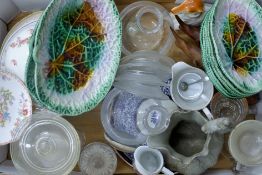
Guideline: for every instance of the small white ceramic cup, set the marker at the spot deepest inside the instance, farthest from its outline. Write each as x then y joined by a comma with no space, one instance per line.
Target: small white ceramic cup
148,161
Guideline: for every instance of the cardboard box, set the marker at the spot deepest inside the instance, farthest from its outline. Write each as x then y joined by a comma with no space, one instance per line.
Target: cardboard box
8,10
3,153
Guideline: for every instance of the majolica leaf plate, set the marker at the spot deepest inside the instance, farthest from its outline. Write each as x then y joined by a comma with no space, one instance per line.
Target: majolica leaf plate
15,108
76,52
238,37
212,62
230,46
207,54
30,68
15,51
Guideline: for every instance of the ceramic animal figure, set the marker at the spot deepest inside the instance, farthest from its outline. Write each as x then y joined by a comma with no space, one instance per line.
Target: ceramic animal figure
190,18
190,6
221,126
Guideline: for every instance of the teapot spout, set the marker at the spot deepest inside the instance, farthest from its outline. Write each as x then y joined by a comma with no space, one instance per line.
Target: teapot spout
221,126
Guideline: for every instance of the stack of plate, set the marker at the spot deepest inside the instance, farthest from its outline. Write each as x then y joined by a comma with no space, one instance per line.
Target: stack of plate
231,43
14,51
74,53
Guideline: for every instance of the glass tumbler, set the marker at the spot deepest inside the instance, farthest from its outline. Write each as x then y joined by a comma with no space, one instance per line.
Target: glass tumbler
236,109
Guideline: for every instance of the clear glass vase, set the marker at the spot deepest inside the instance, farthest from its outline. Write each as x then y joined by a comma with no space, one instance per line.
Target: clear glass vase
146,26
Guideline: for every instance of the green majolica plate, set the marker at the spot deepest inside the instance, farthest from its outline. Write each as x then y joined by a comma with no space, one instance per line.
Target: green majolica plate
211,66
237,40
76,54
207,53
224,81
216,29
233,91
30,67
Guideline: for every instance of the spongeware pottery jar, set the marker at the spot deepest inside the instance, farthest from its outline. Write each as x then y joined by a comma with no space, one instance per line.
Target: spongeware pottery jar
50,145
185,147
146,26
118,117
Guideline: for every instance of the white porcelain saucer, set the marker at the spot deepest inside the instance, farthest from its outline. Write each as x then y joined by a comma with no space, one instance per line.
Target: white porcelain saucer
153,116
15,108
15,49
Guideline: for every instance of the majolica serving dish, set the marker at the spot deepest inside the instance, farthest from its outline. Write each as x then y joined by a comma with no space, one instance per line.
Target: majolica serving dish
75,54
231,43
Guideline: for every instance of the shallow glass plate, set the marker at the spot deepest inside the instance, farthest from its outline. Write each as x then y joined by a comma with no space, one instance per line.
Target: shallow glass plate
49,145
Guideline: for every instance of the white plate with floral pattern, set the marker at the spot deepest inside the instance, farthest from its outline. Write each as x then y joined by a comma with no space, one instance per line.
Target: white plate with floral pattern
15,108
15,49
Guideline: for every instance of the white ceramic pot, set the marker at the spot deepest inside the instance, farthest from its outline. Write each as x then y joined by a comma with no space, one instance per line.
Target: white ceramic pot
148,161
185,147
199,91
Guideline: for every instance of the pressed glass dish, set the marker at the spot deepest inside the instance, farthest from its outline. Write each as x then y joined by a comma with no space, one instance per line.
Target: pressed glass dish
97,159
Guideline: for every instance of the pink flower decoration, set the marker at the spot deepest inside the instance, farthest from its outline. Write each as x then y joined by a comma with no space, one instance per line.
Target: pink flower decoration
14,62
1,117
13,45
25,112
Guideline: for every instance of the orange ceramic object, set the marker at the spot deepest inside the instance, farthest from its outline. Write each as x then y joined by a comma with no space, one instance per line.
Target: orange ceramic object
190,6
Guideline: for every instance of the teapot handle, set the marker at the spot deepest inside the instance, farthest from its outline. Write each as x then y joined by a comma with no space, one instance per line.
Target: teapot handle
167,171
208,113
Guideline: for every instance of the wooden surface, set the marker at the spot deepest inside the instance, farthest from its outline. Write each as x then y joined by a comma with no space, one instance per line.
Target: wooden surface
89,123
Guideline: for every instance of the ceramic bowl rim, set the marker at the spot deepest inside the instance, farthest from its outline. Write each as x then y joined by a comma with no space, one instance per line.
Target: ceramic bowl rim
230,142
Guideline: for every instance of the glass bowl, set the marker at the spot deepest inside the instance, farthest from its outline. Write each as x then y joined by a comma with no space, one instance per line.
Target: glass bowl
245,143
50,145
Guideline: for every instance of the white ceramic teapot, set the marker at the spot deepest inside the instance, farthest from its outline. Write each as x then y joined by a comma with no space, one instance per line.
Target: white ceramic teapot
198,92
